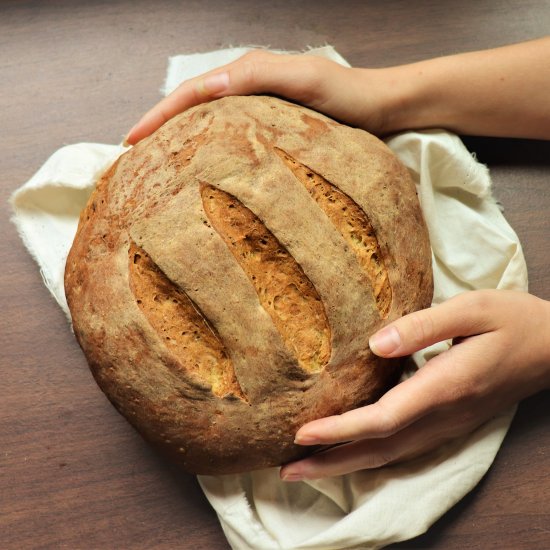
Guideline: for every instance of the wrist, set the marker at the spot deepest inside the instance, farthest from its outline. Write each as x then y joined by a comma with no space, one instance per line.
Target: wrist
477,93
404,97
421,101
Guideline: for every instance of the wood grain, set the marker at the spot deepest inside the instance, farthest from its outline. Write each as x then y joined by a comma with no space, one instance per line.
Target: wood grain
73,474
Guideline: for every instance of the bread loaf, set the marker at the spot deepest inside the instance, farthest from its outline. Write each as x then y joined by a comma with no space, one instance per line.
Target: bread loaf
228,271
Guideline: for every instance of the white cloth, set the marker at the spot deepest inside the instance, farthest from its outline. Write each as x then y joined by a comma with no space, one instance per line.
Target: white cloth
473,248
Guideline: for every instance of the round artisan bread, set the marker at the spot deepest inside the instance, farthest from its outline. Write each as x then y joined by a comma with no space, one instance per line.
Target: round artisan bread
228,271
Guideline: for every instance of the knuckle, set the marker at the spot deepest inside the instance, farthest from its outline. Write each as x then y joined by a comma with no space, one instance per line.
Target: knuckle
478,300
379,453
422,326
338,428
388,423
478,308
251,64
255,55
460,391
163,114
312,66
464,419
313,71
197,95
251,72
383,457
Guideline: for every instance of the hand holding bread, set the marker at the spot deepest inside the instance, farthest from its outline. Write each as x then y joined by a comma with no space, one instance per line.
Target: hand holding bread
501,338
315,82
500,355
478,93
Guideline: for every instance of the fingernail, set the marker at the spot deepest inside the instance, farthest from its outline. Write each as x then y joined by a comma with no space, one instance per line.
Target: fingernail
125,142
304,439
385,341
213,84
292,477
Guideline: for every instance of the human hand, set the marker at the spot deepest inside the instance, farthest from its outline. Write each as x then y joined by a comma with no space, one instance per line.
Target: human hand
360,97
500,355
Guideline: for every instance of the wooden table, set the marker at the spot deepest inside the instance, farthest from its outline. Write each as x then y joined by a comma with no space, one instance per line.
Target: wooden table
73,474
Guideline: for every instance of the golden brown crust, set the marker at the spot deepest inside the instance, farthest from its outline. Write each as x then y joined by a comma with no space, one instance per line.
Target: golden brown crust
223,300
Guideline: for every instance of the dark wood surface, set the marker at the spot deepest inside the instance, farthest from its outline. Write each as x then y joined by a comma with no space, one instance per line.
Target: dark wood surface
73,474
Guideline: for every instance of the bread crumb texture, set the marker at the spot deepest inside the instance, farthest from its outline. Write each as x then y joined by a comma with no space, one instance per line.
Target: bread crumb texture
283,289
177,320
352,222
228,271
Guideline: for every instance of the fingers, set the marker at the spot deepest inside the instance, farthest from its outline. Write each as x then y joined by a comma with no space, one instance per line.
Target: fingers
409,443
398,408
344,459
465,315
188,94
491,368
449,380
402,425
296,77
378,420
335,461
